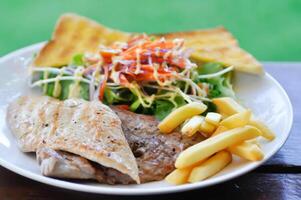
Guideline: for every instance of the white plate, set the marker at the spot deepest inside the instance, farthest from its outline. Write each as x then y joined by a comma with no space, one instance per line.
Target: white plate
263,95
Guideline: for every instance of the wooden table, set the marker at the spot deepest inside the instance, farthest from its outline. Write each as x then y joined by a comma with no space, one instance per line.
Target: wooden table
279,178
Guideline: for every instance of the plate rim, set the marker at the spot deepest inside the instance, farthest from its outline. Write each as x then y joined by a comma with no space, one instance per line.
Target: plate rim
142,191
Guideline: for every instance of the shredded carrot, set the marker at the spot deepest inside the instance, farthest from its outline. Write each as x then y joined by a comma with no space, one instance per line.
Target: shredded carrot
123,80
136,60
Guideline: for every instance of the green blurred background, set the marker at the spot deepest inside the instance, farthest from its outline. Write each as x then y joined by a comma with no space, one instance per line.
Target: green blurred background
269,29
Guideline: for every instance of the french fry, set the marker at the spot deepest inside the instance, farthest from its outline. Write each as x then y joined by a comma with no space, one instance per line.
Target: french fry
207,128
237,120
227,106
219,130
192,126
266,132
178,176
248,151
213,118
253,141
178,116
222,129
210,167
206,148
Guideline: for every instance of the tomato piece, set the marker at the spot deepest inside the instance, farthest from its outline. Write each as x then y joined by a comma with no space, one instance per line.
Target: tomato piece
104,83
123,107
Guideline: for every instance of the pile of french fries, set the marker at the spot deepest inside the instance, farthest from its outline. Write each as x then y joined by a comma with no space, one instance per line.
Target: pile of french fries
231,130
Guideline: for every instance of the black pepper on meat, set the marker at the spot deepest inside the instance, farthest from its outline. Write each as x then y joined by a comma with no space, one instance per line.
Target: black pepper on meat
155,152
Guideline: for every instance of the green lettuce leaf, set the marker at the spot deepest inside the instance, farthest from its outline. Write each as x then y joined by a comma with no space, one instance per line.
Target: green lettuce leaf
219,86
163,108
77,60
65,85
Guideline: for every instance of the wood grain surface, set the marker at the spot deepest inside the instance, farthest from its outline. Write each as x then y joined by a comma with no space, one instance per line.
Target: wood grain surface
279,178
263,186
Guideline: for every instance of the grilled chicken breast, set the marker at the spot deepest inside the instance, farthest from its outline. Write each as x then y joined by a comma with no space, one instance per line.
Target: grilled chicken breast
55,163
88,129
63,164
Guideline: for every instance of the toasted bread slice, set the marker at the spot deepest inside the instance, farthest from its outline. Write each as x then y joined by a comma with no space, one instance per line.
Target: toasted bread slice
75,34
217,45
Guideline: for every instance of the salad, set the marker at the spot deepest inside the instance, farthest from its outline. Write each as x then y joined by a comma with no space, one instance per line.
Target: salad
145,75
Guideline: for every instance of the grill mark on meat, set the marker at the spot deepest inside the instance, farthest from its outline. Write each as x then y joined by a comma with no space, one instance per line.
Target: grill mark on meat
94,123
55,120
51,118
30,109
41,113
42,119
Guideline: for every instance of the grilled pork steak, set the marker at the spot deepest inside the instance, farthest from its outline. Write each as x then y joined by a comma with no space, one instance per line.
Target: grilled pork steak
155,152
